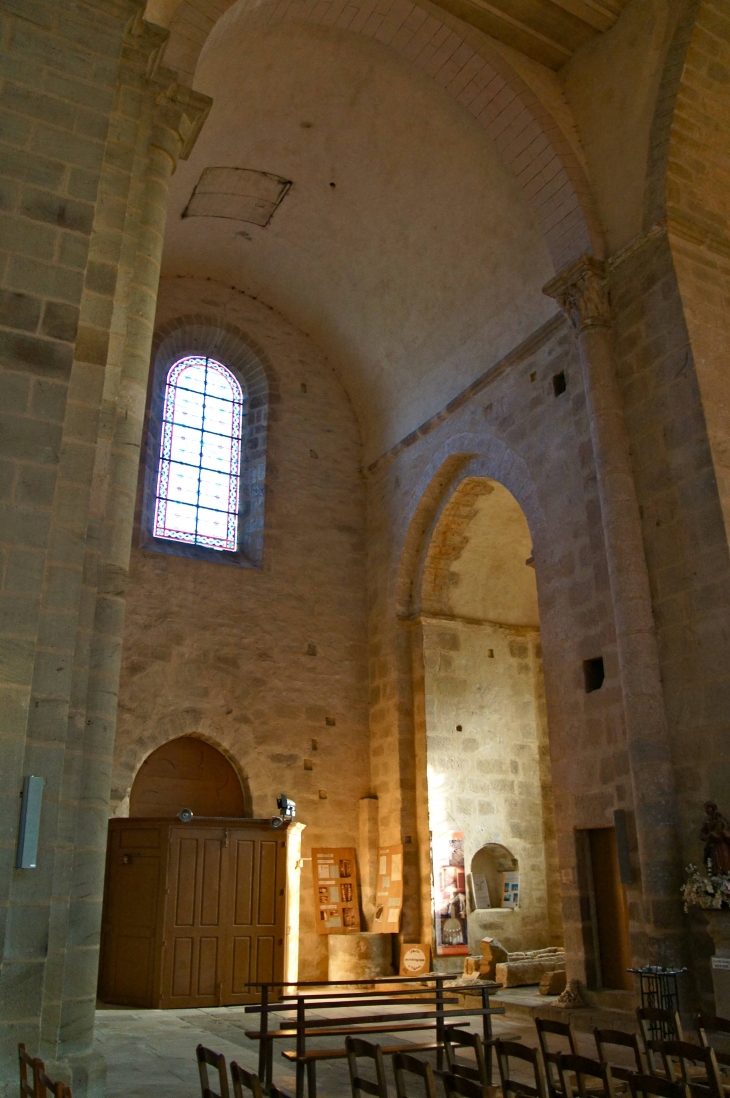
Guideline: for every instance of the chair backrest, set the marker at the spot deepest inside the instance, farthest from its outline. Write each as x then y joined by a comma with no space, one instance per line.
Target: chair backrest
28,1069
357,1049
403,1065
207,1058
642,1086
464,1038
274,1092
607,1037
659,1025
512,1050
574,1070
242,1078
546,1027
705,1023
456,1086
44,1084
677,1055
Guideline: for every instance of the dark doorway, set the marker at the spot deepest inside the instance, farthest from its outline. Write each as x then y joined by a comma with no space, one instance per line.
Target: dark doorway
611,910
187,773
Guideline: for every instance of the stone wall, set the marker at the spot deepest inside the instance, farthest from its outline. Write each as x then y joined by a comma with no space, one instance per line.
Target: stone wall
512,429
268,664
485,744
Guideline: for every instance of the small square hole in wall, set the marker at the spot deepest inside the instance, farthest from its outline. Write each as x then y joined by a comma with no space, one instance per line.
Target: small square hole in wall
330,722
559,383
593,674
533,375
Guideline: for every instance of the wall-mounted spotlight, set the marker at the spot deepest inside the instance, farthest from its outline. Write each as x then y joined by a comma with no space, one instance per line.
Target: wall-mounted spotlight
287,808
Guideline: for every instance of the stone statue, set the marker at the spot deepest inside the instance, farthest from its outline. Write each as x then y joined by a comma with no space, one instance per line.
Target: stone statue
715,834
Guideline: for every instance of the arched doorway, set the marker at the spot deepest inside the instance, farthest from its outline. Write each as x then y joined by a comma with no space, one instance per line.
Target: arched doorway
487,758
187,773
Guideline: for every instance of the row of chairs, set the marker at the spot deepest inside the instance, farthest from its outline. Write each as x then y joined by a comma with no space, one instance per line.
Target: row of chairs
34,1082
667,1068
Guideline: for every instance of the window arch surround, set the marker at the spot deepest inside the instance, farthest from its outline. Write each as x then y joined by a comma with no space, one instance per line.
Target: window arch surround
249,369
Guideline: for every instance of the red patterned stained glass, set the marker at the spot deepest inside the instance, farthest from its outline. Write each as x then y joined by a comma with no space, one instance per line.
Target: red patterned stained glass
200,455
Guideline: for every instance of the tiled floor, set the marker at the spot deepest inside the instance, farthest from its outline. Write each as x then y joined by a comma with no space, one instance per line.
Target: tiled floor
151,1053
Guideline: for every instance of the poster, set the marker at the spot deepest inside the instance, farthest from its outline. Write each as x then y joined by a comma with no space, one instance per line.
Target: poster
336,904
415,959
480,889
511,889
389,890
450,895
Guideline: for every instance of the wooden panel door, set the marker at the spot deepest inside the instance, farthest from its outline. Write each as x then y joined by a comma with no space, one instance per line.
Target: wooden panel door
612,916
196,917
257,878
133,904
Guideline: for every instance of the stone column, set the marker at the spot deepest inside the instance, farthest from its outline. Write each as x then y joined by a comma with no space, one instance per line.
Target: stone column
174,115
582,293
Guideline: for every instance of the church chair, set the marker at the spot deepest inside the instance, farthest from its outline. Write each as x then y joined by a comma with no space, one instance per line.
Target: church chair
512,1050
464,1038
694,1066
656,1024
358,1049
46,1086
586,1078
604,1038
403,1065
544,1027
654,1086
207,1058
245,1079
716,1027
457,1086
26,1064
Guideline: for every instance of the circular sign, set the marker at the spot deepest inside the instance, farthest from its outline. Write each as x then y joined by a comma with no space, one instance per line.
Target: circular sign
414,959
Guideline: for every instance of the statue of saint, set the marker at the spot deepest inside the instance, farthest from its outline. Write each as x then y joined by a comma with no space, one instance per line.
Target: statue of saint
715,834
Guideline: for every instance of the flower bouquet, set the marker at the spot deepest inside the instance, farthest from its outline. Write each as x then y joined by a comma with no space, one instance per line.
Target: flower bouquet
706,890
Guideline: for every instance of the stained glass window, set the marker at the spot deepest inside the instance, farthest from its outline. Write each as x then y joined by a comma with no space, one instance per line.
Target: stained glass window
200,455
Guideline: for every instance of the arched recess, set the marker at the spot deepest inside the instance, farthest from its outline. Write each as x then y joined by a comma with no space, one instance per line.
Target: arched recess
478,77
187,772
437,538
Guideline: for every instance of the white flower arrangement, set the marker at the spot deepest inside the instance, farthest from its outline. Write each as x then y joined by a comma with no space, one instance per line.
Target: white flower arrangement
706,890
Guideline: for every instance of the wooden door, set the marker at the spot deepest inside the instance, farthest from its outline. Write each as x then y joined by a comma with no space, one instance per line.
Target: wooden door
225,914
257,874
195,918
133,903
612,917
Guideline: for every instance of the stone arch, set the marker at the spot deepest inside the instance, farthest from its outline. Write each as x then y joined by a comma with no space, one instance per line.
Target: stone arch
458,460
479,78
462,458
139,752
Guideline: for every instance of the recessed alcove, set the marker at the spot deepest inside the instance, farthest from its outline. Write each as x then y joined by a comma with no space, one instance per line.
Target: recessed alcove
490,862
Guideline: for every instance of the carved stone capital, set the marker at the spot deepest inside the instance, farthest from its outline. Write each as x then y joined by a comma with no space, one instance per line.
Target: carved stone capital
179,116
581,291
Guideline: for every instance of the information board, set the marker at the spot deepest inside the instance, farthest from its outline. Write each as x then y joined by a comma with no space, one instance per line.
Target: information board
389,890
336,906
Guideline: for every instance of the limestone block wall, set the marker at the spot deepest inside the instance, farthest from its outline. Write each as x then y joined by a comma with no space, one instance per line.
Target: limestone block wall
684,535
486,743
515,430
267,664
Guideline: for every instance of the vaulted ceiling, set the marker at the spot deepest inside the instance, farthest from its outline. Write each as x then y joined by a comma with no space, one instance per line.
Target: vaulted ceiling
548,31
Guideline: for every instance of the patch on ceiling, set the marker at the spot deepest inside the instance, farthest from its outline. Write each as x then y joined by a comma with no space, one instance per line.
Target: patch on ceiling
237,193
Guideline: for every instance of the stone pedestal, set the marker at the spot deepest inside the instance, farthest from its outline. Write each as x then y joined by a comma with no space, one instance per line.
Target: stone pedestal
719,927
359,956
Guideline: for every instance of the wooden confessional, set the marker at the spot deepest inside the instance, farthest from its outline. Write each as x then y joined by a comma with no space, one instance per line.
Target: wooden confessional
192,912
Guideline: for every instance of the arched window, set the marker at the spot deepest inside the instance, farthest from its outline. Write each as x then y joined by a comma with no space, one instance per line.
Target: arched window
204,462
200,455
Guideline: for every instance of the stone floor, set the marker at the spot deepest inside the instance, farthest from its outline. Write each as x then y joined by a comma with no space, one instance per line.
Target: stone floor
151,1053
